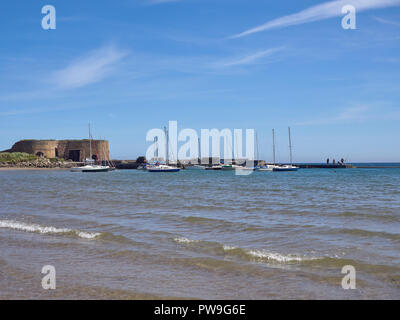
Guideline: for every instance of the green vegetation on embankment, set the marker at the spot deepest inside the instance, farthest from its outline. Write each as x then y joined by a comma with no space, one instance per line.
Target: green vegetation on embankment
16,157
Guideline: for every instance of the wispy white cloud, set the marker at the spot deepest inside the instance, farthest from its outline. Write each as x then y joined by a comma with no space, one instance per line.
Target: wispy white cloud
250,58
91,68
319,12
386,21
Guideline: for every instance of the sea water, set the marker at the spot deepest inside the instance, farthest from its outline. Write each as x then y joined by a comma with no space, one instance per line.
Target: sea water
200,234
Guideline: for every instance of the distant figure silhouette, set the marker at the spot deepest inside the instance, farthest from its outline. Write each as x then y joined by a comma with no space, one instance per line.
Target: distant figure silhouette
327,161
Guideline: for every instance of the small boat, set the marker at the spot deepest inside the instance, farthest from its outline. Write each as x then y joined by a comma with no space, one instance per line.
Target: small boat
162,168
158,167
90,165
246,168
217,167
230,167
268,167
276,167
285,168
91,168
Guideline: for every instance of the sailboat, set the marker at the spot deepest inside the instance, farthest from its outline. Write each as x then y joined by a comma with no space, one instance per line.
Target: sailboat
197,166
107,159
164,167
287,167
249,168
270,167
90,165
215,167
230,166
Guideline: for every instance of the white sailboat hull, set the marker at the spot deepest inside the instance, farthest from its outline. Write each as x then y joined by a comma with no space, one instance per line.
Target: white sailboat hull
91,168
266,169
240,168
163,168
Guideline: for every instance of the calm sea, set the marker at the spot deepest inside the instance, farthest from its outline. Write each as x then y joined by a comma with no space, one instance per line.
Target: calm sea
200,234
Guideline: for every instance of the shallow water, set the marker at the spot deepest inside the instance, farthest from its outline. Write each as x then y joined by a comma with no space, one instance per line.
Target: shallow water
200,234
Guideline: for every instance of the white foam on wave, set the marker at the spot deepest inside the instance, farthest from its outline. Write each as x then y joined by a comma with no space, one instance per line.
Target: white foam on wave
87,235
229,248
253,253
262,254
21,226
184,240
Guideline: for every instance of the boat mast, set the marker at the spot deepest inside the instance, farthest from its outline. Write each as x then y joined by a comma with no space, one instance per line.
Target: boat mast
290,147
233,152
156,147
236,148
258,155
90,144
273,143
198,145
166,146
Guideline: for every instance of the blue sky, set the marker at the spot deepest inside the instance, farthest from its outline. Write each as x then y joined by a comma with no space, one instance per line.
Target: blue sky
133,65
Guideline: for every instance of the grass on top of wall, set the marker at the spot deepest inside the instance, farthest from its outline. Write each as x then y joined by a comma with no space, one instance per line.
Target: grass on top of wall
15,157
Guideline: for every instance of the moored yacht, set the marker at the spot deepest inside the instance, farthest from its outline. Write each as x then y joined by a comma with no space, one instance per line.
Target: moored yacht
91,168
246,168
268,167
287,167
90,165
162,168
229,166
216,167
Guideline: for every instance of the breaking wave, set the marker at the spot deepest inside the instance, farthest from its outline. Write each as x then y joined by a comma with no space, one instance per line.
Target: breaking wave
278,257
244,254
22,226
184,240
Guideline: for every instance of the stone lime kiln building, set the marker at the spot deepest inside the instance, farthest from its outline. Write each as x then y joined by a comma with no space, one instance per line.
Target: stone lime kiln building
75,150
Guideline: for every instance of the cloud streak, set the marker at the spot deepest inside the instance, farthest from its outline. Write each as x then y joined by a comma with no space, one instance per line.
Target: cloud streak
249,59
386,21
91,68
319,12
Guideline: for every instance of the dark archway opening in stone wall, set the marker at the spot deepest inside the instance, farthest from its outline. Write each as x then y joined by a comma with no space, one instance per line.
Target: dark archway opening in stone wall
56,153
40,154
74,155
